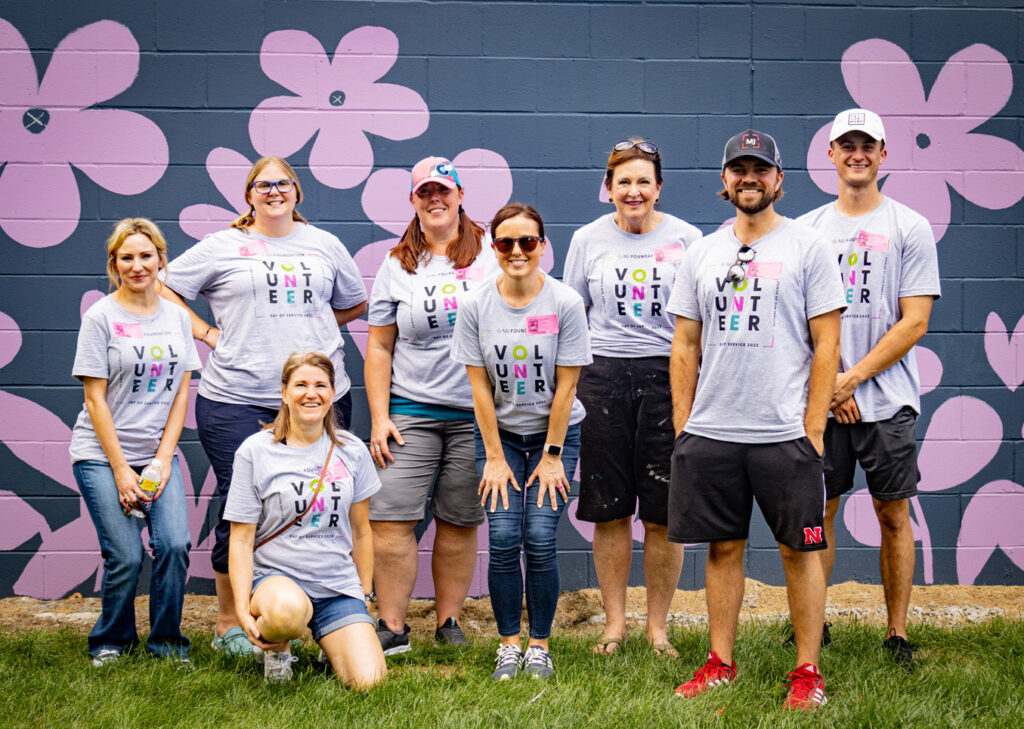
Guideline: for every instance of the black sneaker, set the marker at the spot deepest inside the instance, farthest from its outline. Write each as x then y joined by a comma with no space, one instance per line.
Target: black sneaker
826,636
450,634
901,652
393,643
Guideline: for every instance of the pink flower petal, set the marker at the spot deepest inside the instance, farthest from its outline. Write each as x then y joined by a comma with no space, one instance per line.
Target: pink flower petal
21,521
294,59
92,64
364,55
127,153
1005,351
385,201
602,194
199,221
993,171
991,521
860,520
37,437
65,558
281,125
10,339
18,79
228,170
397,112
486,178
820,168
976,82
88,299
39,204
929,368
341,156
925,192
880,76
963,436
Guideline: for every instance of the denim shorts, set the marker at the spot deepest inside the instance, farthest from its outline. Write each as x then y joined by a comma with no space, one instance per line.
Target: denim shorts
330,613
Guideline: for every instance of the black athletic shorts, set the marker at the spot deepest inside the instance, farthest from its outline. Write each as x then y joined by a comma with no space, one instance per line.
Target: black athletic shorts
886,450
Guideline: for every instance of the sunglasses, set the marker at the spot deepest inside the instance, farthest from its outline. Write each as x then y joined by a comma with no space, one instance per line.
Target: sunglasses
263,187
625,144
527,244
737,272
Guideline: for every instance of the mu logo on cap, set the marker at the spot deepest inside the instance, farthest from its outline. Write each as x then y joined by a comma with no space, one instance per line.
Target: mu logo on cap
855,119
750,141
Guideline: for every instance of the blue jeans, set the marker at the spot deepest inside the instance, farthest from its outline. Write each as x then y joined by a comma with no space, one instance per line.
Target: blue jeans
121,547
525,528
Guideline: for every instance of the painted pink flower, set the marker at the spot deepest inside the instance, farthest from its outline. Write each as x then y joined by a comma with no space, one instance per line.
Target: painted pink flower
485,177
228,170
1005,350
338,100
47,127
930,140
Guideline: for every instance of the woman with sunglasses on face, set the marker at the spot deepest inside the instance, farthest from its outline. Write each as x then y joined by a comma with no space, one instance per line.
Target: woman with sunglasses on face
623,265
135,357
274,284
523,338
301,546
421,435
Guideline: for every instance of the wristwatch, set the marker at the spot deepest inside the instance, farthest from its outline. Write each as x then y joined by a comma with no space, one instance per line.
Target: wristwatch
370,596
552,449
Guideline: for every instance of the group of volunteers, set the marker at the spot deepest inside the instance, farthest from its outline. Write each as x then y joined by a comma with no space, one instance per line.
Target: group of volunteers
688,376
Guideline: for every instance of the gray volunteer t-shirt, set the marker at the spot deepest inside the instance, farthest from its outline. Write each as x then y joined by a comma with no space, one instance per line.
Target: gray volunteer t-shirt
756,342
883,256
625,281
142,358
520,349
272,484
424,307
270,297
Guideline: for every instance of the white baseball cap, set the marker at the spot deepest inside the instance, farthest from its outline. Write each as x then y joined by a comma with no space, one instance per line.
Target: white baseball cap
857,120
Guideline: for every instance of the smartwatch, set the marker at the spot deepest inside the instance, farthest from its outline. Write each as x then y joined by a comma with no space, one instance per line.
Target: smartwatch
552,449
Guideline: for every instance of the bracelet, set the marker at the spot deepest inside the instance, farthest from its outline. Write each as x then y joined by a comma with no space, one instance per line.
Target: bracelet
203,338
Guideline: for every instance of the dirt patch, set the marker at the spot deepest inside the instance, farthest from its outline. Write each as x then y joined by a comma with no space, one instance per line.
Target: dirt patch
580,612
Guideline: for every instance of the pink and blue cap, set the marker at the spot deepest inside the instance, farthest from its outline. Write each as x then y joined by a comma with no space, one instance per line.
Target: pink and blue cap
434,169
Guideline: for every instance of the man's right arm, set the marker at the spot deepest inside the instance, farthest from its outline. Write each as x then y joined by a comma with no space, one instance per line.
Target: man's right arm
683,365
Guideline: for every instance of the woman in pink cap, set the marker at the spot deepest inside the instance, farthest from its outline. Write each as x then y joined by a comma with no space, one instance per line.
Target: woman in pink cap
421,406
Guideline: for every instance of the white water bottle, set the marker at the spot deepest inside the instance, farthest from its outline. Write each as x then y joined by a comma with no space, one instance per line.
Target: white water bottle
149,482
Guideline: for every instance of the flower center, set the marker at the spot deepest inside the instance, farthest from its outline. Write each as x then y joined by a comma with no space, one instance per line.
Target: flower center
35,119
337,98
923,141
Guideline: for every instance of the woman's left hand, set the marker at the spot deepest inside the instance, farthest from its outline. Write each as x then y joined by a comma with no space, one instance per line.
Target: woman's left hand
550,473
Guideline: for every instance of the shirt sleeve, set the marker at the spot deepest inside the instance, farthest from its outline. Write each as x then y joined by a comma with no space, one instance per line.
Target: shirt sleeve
823,284
466,335
573,335
920,263
683,300
91,353
349,289
365,482
244,504
574,274
192,361
383,307
194,270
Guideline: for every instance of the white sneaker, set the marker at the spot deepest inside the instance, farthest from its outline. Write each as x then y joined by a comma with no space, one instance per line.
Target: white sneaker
508,662
537,663
105,656
277,666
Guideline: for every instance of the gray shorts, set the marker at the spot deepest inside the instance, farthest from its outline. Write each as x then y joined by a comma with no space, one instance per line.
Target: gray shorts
886,450
437,463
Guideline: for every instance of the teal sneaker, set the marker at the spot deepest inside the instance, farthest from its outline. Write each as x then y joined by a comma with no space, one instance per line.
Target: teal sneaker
234,642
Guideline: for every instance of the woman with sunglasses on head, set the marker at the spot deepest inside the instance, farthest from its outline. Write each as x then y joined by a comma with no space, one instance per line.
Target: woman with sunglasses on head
623,265
135,357
274,284
301,546
421,435
523,338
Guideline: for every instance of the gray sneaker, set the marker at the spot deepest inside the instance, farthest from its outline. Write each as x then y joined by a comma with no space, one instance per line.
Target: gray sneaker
537,663
510,658
277,666
392,643
105,657
450,634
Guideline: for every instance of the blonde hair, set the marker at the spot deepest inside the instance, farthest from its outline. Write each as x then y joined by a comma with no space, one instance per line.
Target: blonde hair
247,220
125,228
282,423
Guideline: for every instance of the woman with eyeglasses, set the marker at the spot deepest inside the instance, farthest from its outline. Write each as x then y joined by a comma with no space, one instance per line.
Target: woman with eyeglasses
623,265
274,284
523,338
421,435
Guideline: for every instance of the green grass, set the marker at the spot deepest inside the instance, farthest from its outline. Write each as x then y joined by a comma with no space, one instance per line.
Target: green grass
969,676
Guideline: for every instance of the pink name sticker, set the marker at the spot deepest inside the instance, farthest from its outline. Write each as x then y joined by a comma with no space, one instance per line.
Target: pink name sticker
670,253
874,241
128,330
335,472
764,269
256,248
470,273
547,324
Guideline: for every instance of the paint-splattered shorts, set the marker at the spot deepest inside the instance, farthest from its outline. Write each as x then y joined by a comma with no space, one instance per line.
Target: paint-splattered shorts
626,439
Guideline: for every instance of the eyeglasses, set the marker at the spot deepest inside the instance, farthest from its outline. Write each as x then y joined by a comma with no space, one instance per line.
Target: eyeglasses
737,272
263,187
527,244
643,146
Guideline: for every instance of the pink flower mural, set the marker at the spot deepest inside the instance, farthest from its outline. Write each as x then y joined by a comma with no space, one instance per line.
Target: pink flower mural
228,170
1005,351
46,127
485,177
930,139
339,100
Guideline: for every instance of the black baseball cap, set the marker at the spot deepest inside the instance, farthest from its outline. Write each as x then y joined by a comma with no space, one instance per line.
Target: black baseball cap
752,143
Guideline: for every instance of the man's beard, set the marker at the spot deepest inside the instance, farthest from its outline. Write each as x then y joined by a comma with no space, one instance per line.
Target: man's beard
755,207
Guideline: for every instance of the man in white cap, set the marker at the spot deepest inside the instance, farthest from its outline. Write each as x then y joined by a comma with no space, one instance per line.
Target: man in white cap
758,305
890,271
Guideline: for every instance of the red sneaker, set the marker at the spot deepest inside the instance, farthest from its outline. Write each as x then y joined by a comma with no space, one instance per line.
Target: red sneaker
711,674
806,689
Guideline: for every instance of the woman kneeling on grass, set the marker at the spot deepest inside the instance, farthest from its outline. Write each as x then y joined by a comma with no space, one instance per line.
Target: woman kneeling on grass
523,338
301,550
